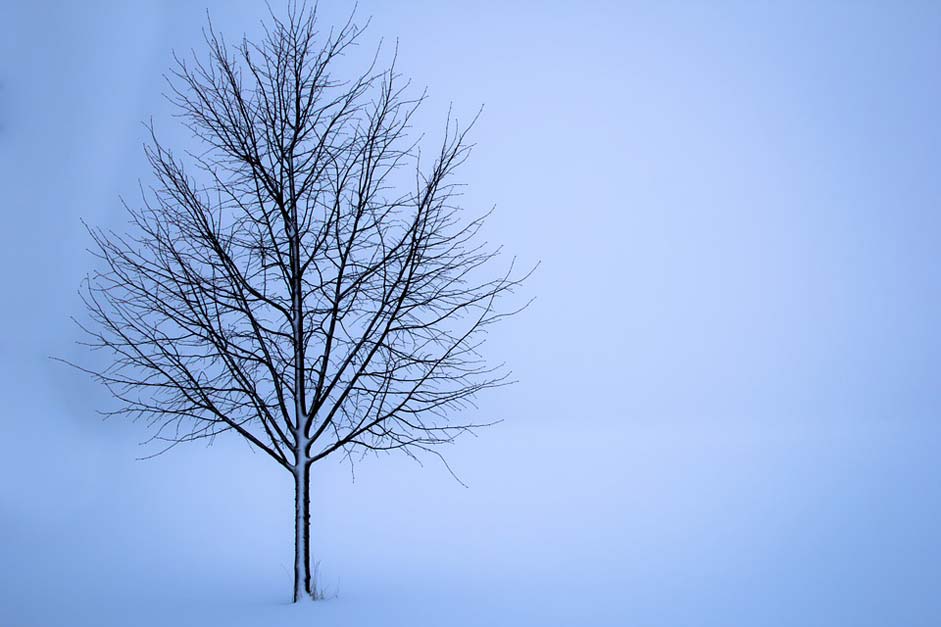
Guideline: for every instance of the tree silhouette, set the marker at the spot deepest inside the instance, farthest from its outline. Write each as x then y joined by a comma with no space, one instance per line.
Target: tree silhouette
306,281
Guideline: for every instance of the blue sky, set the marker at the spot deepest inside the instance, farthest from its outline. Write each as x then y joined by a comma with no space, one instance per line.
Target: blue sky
728,401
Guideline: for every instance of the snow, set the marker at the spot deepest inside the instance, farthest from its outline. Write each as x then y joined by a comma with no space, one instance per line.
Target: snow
670,526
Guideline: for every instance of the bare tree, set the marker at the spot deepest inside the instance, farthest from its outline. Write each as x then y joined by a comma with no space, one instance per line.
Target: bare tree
306,281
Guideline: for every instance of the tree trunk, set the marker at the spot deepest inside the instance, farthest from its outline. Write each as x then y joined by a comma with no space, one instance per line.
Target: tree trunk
301,532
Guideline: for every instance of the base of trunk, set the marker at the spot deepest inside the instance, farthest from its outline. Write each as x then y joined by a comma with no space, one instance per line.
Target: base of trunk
302,573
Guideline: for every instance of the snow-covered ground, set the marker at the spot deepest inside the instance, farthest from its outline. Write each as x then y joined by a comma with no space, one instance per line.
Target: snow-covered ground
657,524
